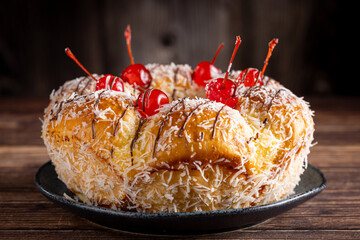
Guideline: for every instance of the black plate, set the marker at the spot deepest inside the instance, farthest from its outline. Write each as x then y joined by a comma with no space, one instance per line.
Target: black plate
312,182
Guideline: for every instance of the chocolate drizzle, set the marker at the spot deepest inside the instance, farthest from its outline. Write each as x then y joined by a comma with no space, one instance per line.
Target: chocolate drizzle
116,127
163,123
266,120
173,94
201,137
79,83
274,97
251,88
58,111
119,119
112,152
150,70
175,74
145,99
86,85
216,120
253,138
189,77
52,109
147,95
141,123
95,116
60,105
271,104
267,81
188,118
248,91
93,126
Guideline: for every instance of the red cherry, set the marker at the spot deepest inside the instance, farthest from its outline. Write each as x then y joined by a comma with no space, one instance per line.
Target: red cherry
248,77
219,91
135,74
150,101
106,82
205,70
110,82
222,89
251,76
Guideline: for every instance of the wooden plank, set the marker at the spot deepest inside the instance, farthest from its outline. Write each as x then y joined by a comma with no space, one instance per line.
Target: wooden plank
238,234
20,129
40,216
287,234
335,156
13,180
27,156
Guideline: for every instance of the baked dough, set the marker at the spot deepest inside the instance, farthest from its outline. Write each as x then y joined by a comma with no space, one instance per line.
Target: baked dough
194,155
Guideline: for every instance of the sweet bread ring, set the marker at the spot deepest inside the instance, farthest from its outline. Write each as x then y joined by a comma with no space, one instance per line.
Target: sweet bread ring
194,155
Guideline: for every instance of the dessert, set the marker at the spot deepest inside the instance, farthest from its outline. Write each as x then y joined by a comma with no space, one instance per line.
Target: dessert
154,140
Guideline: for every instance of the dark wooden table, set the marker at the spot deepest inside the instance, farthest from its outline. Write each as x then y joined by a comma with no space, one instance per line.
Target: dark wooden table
333,214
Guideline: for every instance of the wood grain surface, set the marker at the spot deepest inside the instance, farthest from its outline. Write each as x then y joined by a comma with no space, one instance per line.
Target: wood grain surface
333,214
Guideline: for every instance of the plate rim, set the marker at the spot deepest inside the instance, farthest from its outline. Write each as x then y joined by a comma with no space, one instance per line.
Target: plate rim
214,213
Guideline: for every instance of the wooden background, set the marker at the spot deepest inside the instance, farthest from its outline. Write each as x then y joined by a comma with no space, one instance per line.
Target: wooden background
314,55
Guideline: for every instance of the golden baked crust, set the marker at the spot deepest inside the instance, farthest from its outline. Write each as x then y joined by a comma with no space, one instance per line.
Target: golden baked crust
194,155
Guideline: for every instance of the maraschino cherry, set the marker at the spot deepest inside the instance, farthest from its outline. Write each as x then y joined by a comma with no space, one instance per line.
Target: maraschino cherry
252,76
206,70
108,82
149,102
136,74
223,89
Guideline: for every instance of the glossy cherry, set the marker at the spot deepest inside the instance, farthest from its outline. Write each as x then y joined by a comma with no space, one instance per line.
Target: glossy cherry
252,76
206,70
149,102
110,82
223,89
106,82
248,77
135,74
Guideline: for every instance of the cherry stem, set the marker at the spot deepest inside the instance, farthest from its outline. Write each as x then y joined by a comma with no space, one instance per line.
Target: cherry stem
272,45
72,56
127,34
217,52
237,44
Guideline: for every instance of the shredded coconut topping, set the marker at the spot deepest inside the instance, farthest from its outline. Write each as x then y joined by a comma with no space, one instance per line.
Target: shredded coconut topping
193,155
